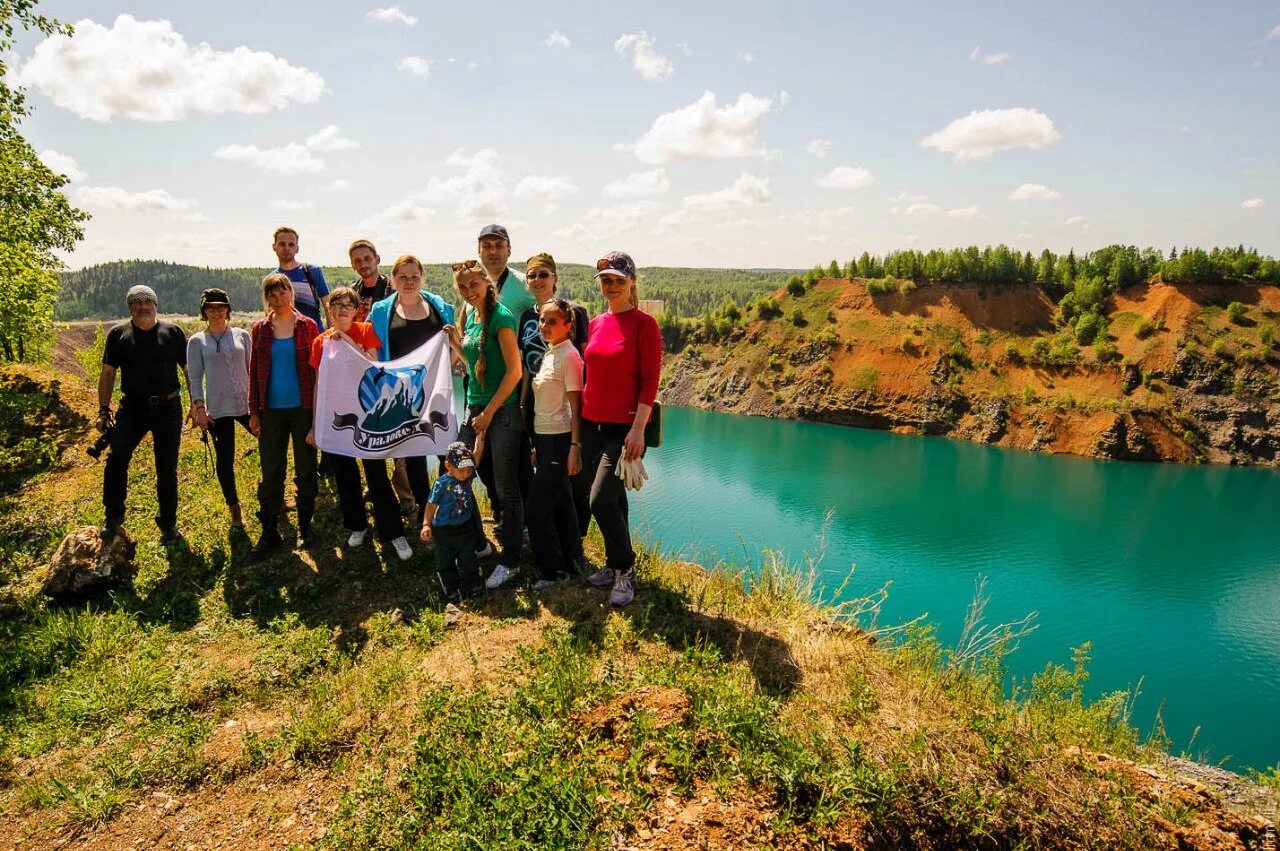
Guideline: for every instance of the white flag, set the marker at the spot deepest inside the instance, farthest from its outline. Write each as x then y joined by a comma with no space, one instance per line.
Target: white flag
385,410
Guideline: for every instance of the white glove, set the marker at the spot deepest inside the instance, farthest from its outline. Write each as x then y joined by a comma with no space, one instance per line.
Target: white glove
632,473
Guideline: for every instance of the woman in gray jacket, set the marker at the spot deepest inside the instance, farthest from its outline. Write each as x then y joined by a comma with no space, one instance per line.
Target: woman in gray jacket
218,363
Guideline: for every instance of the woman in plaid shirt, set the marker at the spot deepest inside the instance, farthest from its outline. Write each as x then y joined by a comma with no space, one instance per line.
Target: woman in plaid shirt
281,391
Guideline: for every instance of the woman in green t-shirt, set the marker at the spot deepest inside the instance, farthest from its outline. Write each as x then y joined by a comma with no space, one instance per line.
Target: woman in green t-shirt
487,341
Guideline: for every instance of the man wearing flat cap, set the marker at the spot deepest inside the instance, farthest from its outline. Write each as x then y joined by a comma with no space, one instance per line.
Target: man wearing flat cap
148,353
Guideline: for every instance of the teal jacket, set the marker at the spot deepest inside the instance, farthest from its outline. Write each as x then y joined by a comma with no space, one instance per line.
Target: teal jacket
380,318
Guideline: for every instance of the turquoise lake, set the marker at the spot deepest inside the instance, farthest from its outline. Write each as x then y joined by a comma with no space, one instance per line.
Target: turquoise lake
1172,572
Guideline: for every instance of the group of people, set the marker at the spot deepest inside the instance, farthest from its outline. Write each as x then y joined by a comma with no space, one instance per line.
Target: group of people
556,406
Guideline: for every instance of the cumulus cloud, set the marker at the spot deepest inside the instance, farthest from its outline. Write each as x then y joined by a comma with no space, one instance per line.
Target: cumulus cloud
61,163
922,208
116,198
976,55
415,66
620,219
984,132
146,71
1252,203
702,129
1075,220
820,148
846,177
546,189
284,159
340,185
392,15
478,192
1275,33
963,214
330,139
557,39
747,56
287,206
747,191
642,184
1034,192
648,62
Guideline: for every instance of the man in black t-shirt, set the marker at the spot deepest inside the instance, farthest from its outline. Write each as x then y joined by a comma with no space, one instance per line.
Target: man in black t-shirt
371,284
148,353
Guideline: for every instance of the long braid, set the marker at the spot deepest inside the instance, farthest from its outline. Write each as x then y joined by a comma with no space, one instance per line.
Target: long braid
486,313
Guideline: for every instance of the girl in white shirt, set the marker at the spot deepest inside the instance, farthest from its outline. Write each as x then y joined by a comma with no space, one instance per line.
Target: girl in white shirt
557,416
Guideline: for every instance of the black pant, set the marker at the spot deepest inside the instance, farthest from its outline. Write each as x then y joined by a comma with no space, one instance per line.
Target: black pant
549,511
601,451
279,427
415,467
456,558
386,507
223,434
133,421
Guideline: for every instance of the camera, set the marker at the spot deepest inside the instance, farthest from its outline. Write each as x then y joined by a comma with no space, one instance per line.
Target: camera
95,451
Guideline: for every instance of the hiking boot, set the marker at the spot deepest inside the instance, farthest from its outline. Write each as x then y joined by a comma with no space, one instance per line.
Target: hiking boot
269,541
237,519
501,574
624,588
403,550
357,537
601,578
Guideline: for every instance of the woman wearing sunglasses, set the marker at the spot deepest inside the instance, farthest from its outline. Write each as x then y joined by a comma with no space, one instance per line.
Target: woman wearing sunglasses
623,359
344,305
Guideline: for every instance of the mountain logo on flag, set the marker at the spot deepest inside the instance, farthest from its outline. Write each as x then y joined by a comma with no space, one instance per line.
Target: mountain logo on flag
392,400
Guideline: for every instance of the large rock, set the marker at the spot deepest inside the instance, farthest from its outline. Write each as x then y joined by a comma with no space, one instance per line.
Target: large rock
83,566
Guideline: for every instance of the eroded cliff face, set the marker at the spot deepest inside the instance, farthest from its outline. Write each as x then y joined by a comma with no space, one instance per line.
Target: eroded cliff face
931,364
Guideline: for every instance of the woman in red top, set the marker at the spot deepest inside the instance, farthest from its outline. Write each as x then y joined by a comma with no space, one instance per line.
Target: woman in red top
344,304
623,359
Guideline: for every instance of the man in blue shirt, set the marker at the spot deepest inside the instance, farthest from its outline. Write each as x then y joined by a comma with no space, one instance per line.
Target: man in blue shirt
310,293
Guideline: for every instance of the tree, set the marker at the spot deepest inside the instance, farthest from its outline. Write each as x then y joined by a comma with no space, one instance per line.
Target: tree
36,219
833,271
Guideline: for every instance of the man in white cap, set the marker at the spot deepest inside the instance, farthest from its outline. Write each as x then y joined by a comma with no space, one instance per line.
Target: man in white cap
148,353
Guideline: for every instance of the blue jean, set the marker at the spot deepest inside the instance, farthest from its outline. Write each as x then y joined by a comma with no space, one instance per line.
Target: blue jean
502,444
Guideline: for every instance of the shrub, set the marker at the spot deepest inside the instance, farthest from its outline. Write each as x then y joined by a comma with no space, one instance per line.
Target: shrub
1219,349
983,338
767,308
795,285
1089,327
1106,351
906,287
1029,396
1267,336
1012,353
797,318
879,286
1235,311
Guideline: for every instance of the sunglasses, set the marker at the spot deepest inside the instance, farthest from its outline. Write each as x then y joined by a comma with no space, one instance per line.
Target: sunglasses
538,276
343,305
617,265
465,264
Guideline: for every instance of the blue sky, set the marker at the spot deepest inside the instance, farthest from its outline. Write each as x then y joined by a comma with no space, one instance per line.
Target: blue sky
711,134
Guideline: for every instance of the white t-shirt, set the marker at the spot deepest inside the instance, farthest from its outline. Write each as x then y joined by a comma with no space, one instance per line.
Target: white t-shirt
561,373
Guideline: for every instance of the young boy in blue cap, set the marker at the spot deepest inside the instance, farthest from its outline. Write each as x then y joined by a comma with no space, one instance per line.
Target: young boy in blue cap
448,522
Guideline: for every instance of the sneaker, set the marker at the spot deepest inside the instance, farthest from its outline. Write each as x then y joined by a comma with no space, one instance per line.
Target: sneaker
544,584
402,548
485,551
268,542
357,537
500,575
601,578
452,614
624,588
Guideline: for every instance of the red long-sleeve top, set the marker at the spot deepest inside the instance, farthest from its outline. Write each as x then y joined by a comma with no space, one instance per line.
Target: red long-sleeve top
623,360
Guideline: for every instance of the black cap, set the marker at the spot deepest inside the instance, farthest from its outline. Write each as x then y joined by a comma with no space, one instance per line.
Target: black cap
494,230
213,297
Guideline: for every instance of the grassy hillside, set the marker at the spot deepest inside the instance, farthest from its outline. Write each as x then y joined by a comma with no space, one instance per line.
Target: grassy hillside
316,700
1177,371
97,292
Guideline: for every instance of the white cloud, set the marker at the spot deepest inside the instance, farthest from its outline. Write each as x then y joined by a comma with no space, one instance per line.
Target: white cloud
1275,32
747,191
846,177
61,163
905,197
684,48
288,206
115,198
1252,203
547,189
922,208
963,214
983,132
648,62
910,238
285,159
976,55
414,65
702,129
1078,221
330,139
820,148
478,193
340,185
642,184
1034,192
598,221
146,71
392,15
557,39
1023,236
747,56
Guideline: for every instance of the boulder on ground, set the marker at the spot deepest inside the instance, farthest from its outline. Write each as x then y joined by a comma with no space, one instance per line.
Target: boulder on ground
82,565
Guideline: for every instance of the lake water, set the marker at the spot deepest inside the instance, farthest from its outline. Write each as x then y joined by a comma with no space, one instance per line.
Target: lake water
1173,573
